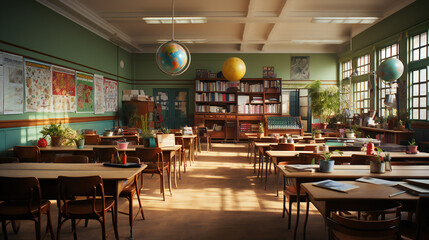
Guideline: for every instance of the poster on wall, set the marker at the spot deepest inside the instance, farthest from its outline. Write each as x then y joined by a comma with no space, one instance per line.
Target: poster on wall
38,87
111,95
98,94
300,68
63,89
84,92
13,83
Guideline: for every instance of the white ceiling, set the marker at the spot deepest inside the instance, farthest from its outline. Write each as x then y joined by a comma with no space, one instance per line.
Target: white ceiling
248,26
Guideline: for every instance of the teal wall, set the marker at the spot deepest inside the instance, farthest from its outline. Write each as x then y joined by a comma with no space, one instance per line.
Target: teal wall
30,25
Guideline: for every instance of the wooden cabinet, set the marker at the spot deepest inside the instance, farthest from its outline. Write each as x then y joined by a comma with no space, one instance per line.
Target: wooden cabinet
234,108
142,108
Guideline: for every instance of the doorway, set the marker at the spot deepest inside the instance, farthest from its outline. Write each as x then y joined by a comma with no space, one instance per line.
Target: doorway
174,106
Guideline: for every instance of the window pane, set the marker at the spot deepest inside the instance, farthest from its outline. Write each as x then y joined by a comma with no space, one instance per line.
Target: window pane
423,102
415,76
423,89
416,54
423,75
416,41
415,102
415,113
422,114
423,53
415,90
394,50
423,39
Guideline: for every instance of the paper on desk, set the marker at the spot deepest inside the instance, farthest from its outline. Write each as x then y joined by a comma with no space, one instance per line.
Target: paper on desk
377,181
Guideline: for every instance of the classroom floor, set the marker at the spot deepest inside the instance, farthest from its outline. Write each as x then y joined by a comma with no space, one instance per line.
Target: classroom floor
219,197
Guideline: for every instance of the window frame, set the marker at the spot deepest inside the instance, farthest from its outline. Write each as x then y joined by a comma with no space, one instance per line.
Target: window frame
384,88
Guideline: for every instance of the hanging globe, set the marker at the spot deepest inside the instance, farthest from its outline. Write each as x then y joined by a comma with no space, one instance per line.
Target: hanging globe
173,58
390,69
233,69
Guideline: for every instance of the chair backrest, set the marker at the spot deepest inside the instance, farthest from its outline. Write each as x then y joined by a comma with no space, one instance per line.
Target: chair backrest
27,153
9,159
108,142
25,190
202,132
179,140
133,159
132,139
307,158
105,154
284,147
310,147
346,228
178,134
421,216
92,139
72,159
358,159
150,155
269,140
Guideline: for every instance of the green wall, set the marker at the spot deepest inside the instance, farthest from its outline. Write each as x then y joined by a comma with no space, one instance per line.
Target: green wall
33,30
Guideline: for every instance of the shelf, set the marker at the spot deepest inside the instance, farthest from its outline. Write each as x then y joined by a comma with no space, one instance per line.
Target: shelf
214,103
245,93
272,102
214,92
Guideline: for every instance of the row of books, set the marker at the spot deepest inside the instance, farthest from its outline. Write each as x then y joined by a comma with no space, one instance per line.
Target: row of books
249,127
219,86
272,108
250,109
247,87
257,100
216,109
215,97
272,84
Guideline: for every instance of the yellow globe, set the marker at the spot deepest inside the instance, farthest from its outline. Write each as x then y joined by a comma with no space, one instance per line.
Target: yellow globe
233,69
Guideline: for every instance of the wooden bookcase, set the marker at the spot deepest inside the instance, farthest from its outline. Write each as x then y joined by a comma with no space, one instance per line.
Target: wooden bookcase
234,109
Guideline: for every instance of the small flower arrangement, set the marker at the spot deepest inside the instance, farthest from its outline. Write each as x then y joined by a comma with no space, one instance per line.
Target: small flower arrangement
261,127
165,130
412,142
327,155
379,156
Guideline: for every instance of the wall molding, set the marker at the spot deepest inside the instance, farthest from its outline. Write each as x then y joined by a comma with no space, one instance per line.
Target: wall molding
46,121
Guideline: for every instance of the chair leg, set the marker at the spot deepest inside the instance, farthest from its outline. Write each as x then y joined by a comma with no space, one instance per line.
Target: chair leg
16,225
59,224
289,214
3,225
130,214
169,181
161,176
49,225
103,228
115,224
74,229
140,203
37,225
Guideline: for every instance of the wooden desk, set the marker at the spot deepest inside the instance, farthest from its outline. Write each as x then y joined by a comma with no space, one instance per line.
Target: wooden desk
114,179
351,172
390,136
359,199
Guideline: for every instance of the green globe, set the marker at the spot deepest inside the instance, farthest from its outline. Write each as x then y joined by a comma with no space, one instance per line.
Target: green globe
390,69
173,58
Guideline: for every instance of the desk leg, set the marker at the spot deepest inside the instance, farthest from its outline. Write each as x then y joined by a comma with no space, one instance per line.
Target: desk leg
298,190
266,171
306,215
277,176
254,159
175,171
115,213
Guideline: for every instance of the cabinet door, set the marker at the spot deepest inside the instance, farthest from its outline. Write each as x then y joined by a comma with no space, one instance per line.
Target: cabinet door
174,105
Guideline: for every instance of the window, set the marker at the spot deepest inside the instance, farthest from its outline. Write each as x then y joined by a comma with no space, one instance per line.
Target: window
418,92
391,51
361,97
363,64
419,47
347,69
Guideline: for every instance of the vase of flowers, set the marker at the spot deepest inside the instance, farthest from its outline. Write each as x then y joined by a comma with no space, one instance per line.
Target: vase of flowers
377,165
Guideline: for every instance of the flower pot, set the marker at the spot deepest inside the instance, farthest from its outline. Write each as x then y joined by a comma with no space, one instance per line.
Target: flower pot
326,166
122,145
318,135
412,149
290,140
149,142
56,141
350,135
377,167
80,143
283,140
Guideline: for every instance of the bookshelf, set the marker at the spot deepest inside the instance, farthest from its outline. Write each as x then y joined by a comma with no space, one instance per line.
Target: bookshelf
235,108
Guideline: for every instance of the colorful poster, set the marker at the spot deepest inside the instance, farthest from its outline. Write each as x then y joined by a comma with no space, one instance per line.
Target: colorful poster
63,89
13,80
111,95
84,92
98,94
38,87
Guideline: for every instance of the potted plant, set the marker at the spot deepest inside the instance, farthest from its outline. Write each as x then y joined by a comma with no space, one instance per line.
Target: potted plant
327,164
165,130
325,102
79,140
261,130
123,144
350,133
59,134
377,165
317,133
401,125
147,136
412,147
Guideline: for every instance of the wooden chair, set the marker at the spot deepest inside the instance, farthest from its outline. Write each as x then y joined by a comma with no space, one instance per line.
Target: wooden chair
83,198
289,193
9,159
417,229
108,142
347,228
71,159
203,135
132,139
27,153
284,147
154,159
21,199
179,141
92,139
105,154
264,157
310,147
307,158
129,191
358,159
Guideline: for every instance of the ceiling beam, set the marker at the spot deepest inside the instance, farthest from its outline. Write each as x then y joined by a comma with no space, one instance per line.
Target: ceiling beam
250,13
276,25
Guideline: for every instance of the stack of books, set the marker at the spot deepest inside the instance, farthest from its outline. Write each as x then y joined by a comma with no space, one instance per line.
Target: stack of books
418,187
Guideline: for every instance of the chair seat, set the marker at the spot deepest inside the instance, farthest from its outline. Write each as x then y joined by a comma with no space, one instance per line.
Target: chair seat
129,190
84,207
155,166
17,210
291,190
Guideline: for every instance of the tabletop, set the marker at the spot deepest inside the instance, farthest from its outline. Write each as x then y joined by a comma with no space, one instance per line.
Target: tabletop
348,154
91,148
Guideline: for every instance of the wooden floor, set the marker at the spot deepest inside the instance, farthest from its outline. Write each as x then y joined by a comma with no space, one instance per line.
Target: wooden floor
218,197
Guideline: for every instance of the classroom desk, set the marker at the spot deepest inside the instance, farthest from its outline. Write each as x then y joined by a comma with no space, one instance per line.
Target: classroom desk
390,136
114,179
351,172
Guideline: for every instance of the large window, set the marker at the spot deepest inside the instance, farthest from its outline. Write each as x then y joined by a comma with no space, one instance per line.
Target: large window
418,92
347,69
391,51
419,46
361,97
363,64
